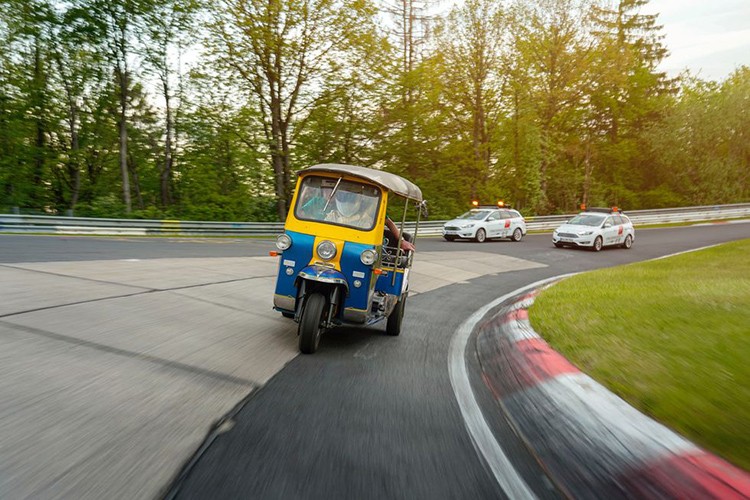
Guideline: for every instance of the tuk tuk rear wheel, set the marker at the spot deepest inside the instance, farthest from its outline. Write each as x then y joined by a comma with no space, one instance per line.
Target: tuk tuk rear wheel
309,325
393,327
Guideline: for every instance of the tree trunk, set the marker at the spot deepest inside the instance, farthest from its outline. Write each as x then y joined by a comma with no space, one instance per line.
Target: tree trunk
166,173
123,129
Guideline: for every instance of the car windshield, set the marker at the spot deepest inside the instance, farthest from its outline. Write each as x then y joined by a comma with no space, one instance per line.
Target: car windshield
474,215
347,203
586,220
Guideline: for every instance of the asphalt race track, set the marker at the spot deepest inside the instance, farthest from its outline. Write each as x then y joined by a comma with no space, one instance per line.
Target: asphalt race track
147,368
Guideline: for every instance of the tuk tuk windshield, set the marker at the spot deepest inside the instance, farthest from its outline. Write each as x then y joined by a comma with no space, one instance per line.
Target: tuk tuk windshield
346,203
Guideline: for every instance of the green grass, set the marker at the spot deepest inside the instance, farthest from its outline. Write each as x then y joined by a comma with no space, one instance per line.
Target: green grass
671,337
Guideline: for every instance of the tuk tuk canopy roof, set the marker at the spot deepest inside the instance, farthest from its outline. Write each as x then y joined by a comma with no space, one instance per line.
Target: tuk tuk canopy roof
387,180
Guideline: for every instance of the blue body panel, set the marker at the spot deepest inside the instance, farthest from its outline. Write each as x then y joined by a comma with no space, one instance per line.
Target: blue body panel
299,256
351,264
384,283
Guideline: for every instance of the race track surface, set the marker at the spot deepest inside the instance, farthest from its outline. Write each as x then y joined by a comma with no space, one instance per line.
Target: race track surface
143,368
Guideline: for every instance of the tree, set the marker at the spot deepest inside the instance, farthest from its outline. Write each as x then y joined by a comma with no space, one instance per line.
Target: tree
554,56
166,31
471,45
628,95
281,51
116,23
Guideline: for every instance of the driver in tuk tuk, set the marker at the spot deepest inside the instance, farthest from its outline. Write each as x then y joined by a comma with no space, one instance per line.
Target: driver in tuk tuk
350,208
353,209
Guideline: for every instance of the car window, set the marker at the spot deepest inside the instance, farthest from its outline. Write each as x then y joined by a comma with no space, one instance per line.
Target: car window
617,220
474,215
610,220
625,219
495,215
514,214
587,220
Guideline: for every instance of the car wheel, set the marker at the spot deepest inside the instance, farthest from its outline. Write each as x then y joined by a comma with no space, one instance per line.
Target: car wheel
449,238
481,236
597,244
628,242
517,235
559,245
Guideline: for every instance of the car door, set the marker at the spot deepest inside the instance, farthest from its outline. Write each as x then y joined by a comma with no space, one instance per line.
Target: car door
504,224
493,224
610,230
516,220
620,224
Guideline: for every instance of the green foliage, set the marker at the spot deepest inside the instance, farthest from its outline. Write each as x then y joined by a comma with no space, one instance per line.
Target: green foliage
544,104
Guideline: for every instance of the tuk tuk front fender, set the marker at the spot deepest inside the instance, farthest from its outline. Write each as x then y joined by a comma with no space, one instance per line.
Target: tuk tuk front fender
322,274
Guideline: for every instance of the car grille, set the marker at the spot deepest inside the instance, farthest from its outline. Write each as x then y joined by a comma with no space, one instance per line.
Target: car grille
451,228
567,235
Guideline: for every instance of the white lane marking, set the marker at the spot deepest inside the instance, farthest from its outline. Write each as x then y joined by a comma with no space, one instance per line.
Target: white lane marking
479,431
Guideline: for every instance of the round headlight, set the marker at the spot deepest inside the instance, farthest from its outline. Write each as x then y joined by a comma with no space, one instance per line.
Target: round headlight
283,241
326,250
368,257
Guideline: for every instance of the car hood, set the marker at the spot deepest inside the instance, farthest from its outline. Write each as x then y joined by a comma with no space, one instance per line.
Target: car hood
461,222
575,228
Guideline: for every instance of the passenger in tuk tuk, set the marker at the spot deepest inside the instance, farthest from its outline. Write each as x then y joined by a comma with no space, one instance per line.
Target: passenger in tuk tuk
406,245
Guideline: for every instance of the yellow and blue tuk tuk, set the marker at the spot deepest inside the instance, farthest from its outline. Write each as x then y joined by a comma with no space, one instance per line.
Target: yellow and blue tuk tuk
339,264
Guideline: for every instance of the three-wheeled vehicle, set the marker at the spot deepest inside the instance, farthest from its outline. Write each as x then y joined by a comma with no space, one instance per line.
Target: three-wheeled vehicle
339,264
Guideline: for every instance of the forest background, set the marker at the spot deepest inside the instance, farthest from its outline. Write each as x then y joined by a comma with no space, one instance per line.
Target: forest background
204,111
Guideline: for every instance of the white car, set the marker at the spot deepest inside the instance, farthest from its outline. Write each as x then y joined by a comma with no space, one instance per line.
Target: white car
481,224
596,229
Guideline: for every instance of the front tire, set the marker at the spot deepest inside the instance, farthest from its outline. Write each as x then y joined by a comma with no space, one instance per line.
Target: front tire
393,327
517,235
309,325
628,242
598,243
481,236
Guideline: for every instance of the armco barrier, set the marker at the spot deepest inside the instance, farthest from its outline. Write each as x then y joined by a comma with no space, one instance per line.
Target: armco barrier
40,224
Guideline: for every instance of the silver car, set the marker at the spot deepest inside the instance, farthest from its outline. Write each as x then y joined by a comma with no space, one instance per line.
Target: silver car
596,229
481,224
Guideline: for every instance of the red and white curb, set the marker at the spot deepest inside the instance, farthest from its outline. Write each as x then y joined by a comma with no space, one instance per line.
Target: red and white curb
591,442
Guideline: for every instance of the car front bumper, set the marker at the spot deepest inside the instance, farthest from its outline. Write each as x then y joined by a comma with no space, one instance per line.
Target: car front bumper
585,241
459,233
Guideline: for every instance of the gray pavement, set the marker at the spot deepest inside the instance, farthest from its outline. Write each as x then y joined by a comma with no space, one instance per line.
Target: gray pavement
112,372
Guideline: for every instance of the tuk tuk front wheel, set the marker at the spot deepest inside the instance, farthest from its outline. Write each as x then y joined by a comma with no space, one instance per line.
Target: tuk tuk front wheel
310,327
393,327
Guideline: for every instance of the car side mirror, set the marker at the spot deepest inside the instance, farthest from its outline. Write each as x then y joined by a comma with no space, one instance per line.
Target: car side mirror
607,224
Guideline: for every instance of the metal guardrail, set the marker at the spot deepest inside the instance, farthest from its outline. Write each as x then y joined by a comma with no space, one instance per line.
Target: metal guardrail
40,224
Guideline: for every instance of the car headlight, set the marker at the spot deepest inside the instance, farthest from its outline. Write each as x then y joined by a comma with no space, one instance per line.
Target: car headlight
368,257
326,250
467,226
585,233
283,241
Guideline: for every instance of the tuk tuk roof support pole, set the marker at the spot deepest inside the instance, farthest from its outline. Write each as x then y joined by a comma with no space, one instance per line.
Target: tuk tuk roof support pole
400,239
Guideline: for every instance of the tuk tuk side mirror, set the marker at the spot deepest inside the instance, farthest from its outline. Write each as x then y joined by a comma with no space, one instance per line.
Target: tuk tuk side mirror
422,205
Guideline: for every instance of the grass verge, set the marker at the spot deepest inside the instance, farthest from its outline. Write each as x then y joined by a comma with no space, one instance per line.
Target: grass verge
671,337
